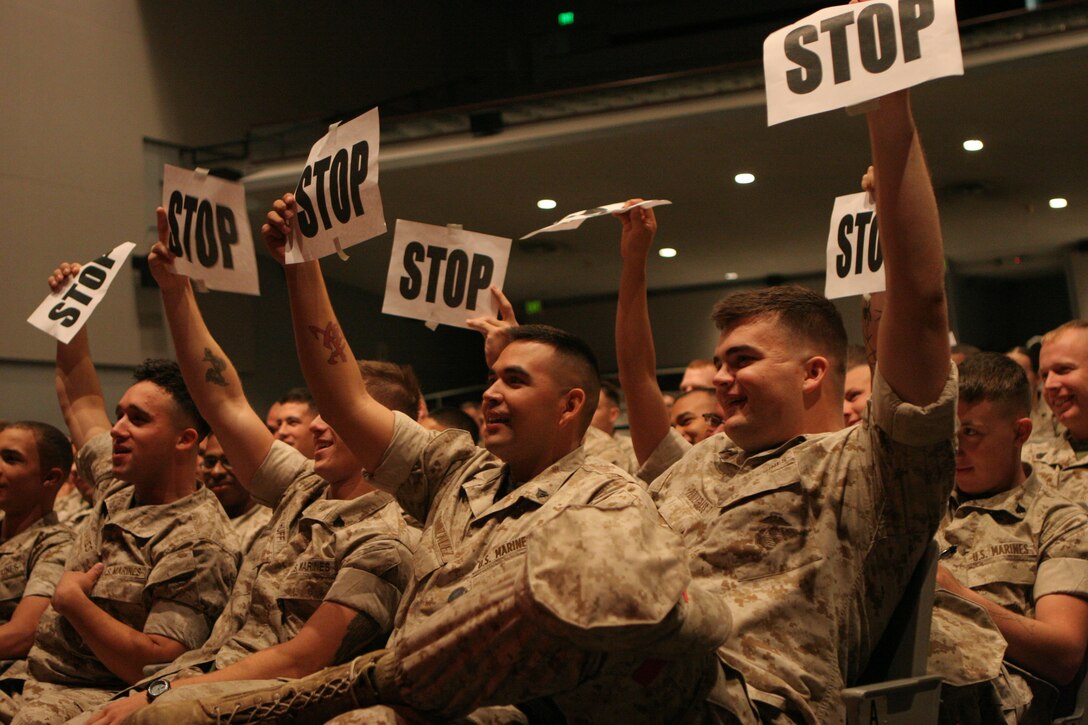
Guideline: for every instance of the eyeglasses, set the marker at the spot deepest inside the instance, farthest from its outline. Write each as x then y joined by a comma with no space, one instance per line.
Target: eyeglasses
713,419
208,462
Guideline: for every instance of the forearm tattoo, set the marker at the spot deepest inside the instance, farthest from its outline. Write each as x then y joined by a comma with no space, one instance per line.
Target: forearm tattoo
333,340
216,366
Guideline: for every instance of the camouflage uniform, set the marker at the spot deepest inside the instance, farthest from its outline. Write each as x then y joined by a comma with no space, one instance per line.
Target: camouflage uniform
567,593
810,544
603,446
354,552
1013,548
671,449
72,508
31,563
250,525
1045,427
168,571
1056,463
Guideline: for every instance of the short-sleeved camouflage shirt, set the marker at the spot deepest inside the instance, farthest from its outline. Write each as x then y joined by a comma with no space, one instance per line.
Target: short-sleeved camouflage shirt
168,571
31,562
811,544
1056,464
250,524
72,508
355,552
569,580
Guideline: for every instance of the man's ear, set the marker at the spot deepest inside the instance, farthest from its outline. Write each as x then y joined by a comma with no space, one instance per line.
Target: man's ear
574,402
614,414
816,369
188,438
54,478
1023,430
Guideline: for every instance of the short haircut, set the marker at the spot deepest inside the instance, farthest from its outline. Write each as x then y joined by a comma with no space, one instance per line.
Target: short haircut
700,362
299,395
855,356
613,392
1066,327
994,377
574,350
804,313
457,419
965,350
54,448
697,391
394,386
167,375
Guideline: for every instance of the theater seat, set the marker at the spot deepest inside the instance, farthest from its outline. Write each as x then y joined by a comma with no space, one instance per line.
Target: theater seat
895,689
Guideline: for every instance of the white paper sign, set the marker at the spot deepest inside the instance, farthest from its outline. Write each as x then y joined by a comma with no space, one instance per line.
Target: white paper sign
855,262
573,221
209,230
849,54
442,274
339,204
64,313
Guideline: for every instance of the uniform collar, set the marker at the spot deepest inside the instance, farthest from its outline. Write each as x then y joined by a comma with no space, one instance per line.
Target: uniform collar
733,457
50,519
481,490
1015,502
147,521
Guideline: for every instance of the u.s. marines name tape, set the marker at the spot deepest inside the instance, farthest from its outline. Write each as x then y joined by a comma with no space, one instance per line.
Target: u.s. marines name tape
65,312
849,54
855,264
442,274
339,203
209,230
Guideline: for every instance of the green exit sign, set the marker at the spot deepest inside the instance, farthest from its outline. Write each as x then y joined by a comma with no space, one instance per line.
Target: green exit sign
533,307
566,18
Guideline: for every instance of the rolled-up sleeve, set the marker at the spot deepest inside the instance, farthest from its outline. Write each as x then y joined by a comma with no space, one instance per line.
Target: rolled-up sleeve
189,588
915,425
280,468
47,563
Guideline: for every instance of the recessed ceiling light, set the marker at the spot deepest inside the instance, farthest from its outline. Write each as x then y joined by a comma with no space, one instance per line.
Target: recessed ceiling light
1058,203
731,275
972,144
666,252
744,178
546,204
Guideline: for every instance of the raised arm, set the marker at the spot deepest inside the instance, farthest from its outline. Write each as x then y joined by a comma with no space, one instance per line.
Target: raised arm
635,355
78,390
913,344
326,358
209,375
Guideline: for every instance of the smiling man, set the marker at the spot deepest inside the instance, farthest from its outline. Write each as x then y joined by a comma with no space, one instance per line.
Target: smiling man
809,531
247,516
1014,547
151,568
1062,462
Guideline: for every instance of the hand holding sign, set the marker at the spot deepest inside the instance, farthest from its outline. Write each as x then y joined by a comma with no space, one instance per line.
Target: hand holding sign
279,226
848,54
77,290
438,274
209,235
574,220
161,260
855,262
494,328
639,228
339,204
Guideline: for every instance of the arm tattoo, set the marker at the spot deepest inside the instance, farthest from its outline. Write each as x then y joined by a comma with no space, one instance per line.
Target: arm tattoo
216,366
358,639
333,340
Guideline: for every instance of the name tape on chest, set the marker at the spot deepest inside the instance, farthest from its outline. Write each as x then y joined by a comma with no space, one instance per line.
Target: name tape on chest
849,54
64,313
442,274
339,204
855,264
209,230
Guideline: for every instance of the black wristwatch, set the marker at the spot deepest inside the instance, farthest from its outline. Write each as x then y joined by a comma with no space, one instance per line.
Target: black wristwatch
157,688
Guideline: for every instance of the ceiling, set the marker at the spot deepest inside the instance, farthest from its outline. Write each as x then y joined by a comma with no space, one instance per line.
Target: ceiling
1028,105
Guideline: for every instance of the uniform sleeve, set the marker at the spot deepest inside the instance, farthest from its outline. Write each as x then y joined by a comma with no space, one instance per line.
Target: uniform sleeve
915,425
189,588
1063,553
94,462
47,563
280,468
417,463
372,573
670,450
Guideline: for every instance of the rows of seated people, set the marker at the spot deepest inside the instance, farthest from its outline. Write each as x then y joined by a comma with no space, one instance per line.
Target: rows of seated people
733,556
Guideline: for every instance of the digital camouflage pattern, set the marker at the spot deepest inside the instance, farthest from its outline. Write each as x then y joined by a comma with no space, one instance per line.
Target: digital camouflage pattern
811,544
250,525
1057,465
600,445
